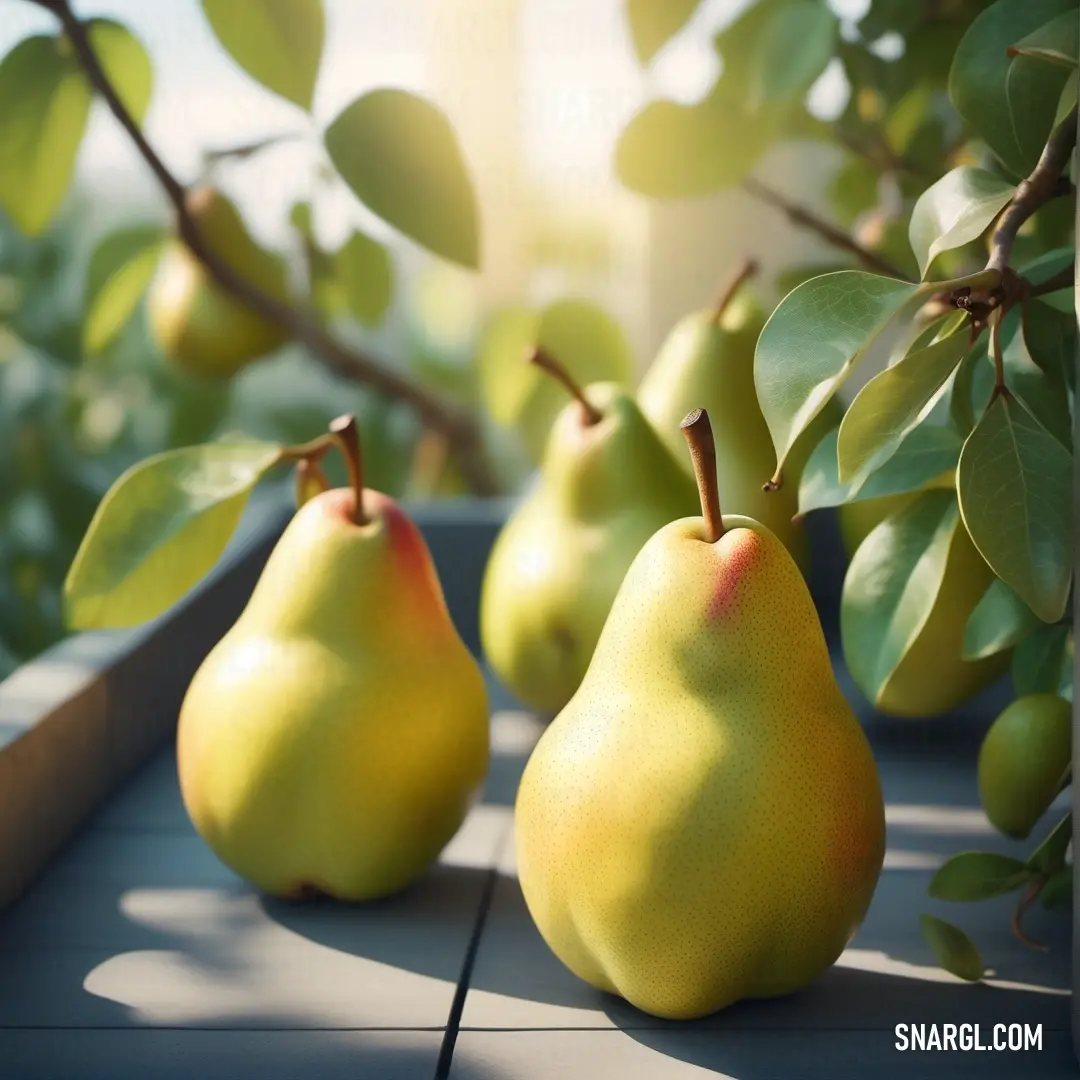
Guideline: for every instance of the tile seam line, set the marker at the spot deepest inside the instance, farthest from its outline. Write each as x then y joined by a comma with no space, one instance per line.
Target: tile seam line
457,1006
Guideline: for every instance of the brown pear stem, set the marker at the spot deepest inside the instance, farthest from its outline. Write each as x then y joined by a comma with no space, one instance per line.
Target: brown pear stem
748,269
697,430
546,362
347,437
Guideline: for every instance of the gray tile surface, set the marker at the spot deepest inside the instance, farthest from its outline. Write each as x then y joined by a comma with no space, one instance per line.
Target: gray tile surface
139,955
745,1055
219,1055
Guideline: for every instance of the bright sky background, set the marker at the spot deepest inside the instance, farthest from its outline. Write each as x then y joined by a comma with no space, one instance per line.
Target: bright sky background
580,83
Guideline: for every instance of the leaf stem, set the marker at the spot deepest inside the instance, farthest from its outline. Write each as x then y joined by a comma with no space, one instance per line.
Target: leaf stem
999,356
546,362
799,215
697,430
461,428
1040,187
307,470
748,269
1029,897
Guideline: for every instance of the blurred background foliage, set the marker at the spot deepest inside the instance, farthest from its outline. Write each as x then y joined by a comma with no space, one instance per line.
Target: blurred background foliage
854,131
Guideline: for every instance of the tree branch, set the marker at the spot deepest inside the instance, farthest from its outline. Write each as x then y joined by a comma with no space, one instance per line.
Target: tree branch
460,428
799,215
1039,188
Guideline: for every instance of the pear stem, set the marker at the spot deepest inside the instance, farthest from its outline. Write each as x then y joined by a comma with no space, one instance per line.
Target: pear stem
749,268
697,430
546,362
347,437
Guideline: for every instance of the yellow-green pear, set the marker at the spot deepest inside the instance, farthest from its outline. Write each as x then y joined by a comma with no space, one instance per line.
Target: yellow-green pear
1023,761
606,485
932,677
333,739
703,822
198,326
708,360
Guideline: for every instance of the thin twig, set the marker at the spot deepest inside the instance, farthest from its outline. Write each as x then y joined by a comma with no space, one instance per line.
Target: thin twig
880,155
1026,901
1039,188
799,215
460,428
743,273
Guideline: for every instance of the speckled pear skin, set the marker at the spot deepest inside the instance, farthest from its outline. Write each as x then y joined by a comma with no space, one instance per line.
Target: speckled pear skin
556,566
703,822
333,739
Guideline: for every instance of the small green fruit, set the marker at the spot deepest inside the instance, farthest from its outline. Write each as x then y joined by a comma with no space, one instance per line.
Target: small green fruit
198,326
1023,760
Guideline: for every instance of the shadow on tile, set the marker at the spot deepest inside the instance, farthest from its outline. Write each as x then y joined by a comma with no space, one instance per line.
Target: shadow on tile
226,1055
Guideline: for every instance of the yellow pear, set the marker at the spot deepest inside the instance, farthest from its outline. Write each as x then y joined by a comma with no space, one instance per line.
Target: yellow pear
333,739
703,822
1023,761
708,360
606,484
198,326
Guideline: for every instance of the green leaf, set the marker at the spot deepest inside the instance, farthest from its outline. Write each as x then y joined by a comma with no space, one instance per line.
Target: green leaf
999,621
366,275
1054,41
44,106
653,23
674,151
955,210
401,158
121,268
159,530
279,43
1049,856
795,45
1042,392
955,951
1015,485
1011,109
1063,300
893,402
977,875
926,453
580,335
891,587
1068,668
974,369
126,63
1068,99
812,342
1058,890
1040,661
1050,336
